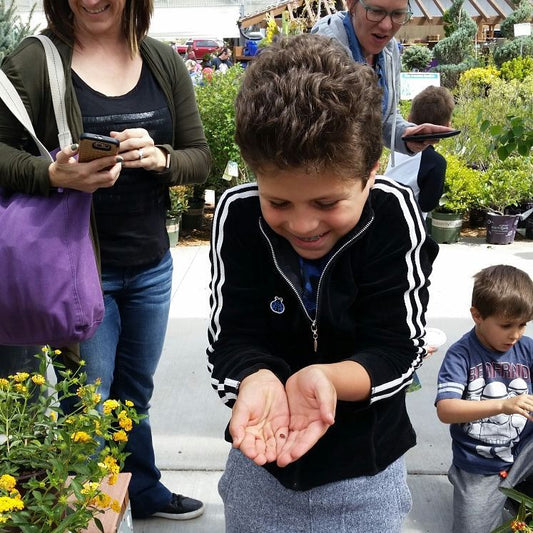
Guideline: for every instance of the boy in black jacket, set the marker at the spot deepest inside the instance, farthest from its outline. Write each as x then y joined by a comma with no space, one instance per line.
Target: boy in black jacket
319,289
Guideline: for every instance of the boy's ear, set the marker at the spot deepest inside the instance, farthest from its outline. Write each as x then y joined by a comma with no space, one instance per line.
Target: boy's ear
372,176
476,316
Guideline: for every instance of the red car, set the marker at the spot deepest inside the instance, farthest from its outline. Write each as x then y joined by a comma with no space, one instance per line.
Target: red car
200,47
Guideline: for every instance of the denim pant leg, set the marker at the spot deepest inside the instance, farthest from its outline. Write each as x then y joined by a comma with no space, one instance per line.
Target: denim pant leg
124,354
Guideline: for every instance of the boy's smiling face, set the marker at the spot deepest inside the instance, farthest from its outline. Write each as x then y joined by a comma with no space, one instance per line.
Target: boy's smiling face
312,211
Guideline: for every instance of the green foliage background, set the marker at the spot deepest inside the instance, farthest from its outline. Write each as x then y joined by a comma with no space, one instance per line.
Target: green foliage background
12,29
216,99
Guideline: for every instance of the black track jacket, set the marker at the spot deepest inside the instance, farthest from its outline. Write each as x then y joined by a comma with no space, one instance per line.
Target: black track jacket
371,302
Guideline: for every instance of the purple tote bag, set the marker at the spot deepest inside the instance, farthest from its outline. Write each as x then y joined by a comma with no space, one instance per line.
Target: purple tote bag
50,290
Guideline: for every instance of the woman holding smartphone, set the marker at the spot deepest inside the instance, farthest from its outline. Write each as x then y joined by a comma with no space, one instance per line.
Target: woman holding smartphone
122,84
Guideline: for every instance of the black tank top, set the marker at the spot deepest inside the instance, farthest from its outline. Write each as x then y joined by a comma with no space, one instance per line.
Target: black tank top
130,216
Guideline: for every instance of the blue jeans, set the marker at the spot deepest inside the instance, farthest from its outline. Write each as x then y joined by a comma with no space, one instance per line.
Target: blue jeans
124,354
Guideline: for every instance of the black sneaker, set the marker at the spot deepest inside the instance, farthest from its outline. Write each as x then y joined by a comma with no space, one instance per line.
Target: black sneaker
181,508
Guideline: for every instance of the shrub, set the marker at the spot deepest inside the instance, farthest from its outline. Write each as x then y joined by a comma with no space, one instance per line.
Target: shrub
462,187
507,183
476,82
518,68
216,99
521,14
475,145
416,58
519,47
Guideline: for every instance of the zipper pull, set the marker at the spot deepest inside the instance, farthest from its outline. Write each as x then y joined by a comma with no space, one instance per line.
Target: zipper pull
314,331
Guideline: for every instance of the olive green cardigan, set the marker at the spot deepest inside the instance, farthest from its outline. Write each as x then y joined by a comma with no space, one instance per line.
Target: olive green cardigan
20,167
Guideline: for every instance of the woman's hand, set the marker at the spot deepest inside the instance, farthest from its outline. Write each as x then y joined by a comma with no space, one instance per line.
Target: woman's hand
138,150
66,172
416,147
260,421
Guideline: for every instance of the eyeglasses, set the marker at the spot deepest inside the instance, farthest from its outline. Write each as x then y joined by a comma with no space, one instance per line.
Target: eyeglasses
377,14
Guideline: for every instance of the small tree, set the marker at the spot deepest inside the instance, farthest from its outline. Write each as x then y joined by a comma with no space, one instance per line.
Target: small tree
455,53
12,28
521,14
416,58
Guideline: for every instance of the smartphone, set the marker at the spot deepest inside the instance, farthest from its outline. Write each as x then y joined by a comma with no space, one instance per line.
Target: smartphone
431,136
93,146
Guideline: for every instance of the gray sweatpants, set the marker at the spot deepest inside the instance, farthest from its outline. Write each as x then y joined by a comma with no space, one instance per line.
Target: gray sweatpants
477,501
255,501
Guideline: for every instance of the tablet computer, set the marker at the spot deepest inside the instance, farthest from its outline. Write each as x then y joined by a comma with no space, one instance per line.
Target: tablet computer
431,136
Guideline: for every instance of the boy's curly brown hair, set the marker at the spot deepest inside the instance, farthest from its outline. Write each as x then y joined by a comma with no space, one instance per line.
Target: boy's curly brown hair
305,103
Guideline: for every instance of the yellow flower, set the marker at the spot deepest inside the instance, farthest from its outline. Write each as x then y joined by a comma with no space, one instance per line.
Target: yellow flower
102,500
53,416
19,377
81,436
110,465
10,504
38,379
7,482
19,387
57,352
97,397
115,506
4,383
124,421
120,436
129,403
110,405
90,487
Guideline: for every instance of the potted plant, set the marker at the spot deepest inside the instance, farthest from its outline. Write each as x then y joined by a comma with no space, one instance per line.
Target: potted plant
461,190
194,213
52,465
506,184
179,202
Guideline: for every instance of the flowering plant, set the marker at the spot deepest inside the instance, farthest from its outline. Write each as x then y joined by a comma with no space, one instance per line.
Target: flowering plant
51,463
523,521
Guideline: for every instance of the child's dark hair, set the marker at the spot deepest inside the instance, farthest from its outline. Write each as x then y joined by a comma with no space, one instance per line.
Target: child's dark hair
434,105
503,291
305,103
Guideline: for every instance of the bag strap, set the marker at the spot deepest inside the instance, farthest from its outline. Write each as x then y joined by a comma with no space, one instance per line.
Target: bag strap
12,99
57,88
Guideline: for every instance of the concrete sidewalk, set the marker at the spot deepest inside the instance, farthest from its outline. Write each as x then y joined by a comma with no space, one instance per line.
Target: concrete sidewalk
188,419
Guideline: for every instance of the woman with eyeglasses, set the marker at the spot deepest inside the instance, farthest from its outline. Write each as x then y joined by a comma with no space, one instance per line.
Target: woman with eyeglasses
367,32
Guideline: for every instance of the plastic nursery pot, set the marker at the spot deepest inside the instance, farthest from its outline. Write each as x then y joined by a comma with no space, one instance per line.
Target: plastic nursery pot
529,227
446,227
501,229
173,230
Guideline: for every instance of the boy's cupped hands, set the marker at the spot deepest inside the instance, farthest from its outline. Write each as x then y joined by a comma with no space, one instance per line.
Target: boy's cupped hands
272,422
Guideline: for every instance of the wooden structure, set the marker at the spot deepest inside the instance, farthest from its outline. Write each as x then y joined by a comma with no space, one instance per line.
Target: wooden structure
426,13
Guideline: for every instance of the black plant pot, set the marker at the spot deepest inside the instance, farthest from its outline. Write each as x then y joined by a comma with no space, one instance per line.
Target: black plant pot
501,229
477,217
15,359
193,217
